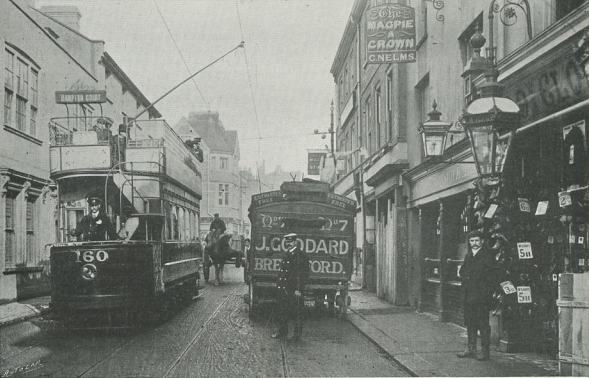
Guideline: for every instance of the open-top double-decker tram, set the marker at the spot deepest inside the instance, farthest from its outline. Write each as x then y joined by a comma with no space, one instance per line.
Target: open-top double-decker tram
324,223
149,183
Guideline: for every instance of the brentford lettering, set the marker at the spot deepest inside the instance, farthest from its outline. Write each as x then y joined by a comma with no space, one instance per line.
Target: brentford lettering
317,266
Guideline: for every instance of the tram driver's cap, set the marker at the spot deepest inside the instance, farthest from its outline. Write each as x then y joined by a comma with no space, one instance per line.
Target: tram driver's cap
93,201
290,236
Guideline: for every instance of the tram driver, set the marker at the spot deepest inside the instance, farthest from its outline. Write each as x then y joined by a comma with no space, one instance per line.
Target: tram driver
95,226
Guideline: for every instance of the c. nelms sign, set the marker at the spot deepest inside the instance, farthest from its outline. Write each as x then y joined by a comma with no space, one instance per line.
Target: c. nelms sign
390,33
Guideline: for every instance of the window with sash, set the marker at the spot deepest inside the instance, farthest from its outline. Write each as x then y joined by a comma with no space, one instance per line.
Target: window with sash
30,238
223,194
21,93
9,235
22,79
8,70
223,163
21,113
8,96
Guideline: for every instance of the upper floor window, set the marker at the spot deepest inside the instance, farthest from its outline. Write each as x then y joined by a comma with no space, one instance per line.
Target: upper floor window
21,93
34,88
223,194
423,98
22,79
8,70
466,50
223,163
377,115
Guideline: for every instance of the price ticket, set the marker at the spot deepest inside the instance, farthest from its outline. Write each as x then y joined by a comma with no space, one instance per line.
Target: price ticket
542,208
507,287
524,250
524,294
564,199
524,205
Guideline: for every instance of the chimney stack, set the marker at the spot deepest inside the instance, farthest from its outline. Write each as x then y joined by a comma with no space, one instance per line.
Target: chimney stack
66,14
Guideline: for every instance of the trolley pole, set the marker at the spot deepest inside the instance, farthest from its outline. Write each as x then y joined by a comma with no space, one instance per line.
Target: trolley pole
240,45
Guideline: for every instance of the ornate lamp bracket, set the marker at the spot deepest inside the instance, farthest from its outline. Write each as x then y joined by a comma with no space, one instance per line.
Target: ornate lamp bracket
506,9
438,6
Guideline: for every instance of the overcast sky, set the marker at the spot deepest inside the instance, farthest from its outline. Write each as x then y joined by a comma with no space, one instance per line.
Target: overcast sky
290,46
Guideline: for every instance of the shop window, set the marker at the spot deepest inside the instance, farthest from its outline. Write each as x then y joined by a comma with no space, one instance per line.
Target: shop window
9,235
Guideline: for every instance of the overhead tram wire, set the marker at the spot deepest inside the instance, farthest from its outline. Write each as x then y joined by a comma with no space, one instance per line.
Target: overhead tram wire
180,53
251,89
249,80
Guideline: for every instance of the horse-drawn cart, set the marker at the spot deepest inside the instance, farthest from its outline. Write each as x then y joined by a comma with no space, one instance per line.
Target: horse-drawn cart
220,249
324,223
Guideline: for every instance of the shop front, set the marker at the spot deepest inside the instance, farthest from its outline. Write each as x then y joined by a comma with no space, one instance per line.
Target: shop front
535,216
439,193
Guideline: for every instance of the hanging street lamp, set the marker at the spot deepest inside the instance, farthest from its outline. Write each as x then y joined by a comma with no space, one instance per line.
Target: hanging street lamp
490,121
434,133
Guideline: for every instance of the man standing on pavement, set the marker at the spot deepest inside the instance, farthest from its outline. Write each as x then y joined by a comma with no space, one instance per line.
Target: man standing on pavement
478,277
294,272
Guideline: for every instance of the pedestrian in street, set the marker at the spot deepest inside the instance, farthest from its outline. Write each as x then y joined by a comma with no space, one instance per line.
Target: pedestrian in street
294,272
478,279
95,226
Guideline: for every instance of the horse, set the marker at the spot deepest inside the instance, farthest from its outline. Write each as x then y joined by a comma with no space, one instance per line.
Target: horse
219,250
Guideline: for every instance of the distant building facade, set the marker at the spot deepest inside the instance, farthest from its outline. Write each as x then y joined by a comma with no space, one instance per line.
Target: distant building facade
221,181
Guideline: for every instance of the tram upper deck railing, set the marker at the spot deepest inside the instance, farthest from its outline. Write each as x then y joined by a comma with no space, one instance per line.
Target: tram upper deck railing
147,146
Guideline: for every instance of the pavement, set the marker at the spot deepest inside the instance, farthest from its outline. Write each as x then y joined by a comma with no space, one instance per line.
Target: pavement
15,312
424,346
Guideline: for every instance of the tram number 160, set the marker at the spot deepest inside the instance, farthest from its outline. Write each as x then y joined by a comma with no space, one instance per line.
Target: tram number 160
89,256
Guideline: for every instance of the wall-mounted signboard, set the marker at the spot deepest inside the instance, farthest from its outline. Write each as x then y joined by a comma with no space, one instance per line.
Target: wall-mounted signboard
390,33
80,97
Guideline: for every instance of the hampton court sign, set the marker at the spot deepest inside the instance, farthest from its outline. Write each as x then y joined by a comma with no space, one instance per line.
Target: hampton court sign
390,33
